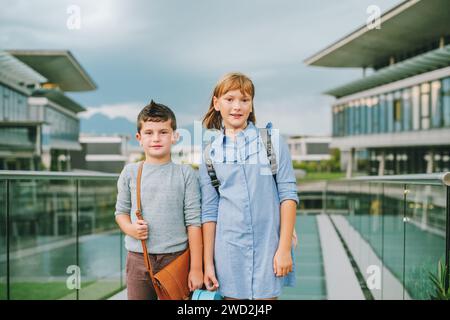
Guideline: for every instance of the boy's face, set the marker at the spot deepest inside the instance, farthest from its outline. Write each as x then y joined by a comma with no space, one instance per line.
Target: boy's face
157,138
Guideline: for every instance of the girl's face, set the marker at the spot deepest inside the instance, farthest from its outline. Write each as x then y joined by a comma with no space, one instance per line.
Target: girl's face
235,108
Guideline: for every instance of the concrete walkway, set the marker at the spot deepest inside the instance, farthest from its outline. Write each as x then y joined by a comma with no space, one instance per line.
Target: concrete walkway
122,295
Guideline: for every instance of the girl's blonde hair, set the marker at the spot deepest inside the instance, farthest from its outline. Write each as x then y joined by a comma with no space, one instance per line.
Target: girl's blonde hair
230,81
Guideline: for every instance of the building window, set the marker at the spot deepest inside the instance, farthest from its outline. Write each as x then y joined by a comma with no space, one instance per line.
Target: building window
436,104
375,115
415,99
382,114
2,113
390,112
6,104
398,114
356,118
406,104
425,105
446,101
368,104
341,121
363,115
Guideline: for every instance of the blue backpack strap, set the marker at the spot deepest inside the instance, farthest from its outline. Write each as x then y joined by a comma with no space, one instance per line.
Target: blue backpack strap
210,168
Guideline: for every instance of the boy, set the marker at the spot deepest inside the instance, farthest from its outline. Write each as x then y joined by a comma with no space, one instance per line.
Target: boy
170,200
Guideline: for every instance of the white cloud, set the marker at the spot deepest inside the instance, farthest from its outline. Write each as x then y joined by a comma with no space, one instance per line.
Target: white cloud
128,110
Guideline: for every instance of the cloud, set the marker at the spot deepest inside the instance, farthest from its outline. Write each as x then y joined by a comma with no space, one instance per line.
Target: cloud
128,110
175,51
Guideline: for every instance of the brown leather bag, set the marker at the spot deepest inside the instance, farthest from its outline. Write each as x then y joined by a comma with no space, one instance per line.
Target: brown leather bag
170,283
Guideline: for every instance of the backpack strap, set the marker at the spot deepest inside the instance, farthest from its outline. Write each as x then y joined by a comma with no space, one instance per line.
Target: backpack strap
209,166
267,140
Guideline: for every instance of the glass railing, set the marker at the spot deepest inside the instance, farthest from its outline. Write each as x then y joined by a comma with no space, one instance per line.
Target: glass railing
396,229
58,236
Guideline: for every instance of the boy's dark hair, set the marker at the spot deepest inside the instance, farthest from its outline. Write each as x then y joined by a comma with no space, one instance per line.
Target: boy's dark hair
156,112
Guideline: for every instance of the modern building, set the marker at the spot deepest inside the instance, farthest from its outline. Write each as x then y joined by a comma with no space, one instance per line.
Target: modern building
309,148
396,118
101,153
39,125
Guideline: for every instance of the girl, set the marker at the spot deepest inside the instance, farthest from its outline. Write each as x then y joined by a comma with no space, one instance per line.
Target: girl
249,221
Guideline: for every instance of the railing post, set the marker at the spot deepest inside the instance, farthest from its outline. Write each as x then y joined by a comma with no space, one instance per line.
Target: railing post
8,273
77,249
447,238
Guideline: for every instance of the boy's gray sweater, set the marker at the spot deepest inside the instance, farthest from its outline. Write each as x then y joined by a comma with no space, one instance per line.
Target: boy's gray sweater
170,201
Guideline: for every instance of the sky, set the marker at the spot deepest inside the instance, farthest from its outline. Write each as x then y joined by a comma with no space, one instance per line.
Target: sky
174,52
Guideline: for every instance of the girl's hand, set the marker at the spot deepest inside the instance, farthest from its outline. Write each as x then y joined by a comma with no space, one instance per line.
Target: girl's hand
195,279
139,230
282,262
210,279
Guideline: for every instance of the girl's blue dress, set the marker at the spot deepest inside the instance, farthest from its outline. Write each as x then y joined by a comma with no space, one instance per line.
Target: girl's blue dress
247,212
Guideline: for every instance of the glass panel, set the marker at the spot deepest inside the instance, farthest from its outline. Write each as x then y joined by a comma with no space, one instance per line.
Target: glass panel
393,242
398,111
390,112
425,238
425,105
3,248
369,111
375,115
99,240
383,115
363,116
446,101
407,118
42,238
415,107
436,108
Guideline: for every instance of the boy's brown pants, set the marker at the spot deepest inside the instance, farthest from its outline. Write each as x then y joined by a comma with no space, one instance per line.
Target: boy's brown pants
139,285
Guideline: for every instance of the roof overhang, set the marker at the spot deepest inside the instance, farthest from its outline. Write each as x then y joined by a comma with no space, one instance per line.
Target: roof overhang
59,98
59,67
432,60
13,71
405,28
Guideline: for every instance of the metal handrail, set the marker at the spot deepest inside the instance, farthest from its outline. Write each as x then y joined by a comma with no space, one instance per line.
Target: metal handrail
433,178
54,175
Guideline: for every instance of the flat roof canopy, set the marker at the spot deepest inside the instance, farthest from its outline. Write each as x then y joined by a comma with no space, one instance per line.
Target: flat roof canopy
425,62
58,66
405,28
17,71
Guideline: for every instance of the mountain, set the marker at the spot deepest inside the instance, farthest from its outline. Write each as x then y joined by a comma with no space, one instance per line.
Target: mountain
103,125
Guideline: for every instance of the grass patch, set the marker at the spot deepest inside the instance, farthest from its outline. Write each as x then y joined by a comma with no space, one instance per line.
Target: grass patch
316,176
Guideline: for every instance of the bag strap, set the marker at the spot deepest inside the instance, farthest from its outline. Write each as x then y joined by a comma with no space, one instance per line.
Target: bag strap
210,167
147,262
266,139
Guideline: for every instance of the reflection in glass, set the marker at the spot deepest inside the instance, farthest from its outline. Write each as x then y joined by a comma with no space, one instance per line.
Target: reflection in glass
425,238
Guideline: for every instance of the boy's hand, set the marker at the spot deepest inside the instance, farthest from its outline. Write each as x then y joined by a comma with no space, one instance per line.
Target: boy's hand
282,262
139,230
210,279
195,279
